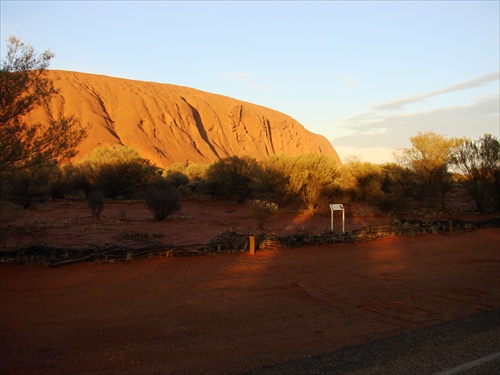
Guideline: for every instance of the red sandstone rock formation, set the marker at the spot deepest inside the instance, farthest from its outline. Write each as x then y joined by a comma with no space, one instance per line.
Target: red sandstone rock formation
168,124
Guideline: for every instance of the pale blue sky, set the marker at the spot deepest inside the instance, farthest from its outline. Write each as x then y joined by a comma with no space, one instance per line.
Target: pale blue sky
366,75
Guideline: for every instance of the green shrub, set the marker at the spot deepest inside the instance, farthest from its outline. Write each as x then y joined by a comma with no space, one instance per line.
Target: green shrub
177,178
262,211
95,202
28,187
118,171
232,177
479,164
362,181
398,188
308,176
64,183
162,199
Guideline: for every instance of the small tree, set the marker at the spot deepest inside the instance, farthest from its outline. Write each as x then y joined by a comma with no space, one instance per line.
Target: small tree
429,159
363,180
194,172
24,86
28,187
479,163
232,177
177,178
116,171
262,211
95,202
272,184
162,200
397,186
311,177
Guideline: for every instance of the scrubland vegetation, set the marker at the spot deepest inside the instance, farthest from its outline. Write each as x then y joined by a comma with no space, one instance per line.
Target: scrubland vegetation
423,178
34,165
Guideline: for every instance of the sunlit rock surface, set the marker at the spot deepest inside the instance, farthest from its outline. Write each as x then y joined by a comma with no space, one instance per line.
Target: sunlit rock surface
169,124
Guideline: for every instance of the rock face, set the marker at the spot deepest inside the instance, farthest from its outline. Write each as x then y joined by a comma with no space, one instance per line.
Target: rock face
168,124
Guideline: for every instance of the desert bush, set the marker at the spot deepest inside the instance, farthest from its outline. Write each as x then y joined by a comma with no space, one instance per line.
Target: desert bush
194,172
64,183
398,188
162,200
362,181
118,171
479,165
262,211
77,178
28,187
271,184
177,178
189,179
95,202
211,188
194,186
232,178
311,176
429,158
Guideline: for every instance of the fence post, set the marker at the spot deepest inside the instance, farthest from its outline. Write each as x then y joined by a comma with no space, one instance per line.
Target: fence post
252,245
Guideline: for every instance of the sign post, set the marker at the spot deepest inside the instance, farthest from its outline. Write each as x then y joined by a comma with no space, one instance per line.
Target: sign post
338,207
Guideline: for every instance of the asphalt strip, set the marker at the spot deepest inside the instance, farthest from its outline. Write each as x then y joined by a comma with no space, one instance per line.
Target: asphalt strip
461,346
471,365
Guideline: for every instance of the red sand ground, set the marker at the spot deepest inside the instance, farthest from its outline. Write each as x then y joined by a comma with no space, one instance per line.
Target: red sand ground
69,224
226,313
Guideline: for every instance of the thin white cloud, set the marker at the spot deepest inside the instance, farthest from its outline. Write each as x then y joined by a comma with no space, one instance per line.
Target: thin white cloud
349,81
375,131
248,80
371,131
476,82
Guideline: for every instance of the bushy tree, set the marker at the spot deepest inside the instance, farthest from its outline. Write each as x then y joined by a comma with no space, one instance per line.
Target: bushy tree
162,200
273,182
232,177
398,187
65,183
177,178
95,203
190,178
262,210
29,186
363,180
313,177
25,86
479,163
429,158
193,171
116,171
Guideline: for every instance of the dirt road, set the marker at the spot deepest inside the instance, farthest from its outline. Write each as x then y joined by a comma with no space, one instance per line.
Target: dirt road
231,313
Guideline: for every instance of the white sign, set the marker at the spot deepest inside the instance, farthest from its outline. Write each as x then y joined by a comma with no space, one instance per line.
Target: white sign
338,207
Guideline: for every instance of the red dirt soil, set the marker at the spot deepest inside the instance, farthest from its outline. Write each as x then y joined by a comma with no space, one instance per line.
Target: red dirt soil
226,313
69,223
